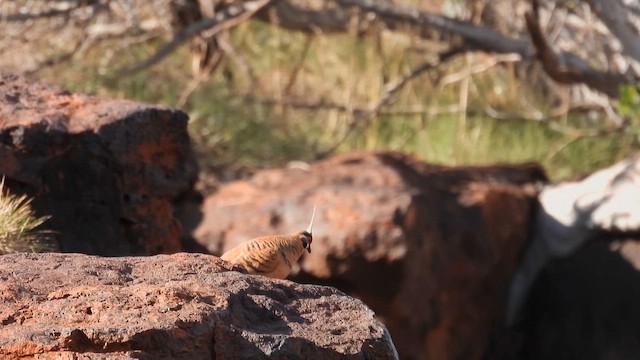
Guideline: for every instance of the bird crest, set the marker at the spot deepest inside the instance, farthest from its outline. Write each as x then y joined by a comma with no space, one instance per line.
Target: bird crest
313,216
308,234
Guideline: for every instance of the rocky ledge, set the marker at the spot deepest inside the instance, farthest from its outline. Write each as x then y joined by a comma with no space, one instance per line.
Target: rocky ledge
181,306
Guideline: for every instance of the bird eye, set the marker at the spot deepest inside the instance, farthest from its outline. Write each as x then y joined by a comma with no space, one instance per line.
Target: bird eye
306,240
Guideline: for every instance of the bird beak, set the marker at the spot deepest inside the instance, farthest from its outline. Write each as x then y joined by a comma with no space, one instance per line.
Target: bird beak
309,248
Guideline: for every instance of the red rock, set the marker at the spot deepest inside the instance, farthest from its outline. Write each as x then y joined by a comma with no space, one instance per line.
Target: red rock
105,170
430,248
182,306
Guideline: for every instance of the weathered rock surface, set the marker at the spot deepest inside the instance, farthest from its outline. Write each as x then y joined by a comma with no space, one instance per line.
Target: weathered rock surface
105,170
431,249
181,306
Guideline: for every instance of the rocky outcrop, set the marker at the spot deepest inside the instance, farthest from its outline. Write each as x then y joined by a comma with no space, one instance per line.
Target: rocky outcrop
576,290
181,306
106,171
585,305
571,214
431,249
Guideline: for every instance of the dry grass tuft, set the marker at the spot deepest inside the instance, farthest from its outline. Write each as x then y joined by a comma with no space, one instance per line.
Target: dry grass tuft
19,225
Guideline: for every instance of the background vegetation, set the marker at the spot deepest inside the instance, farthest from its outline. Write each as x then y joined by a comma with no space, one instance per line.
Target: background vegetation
278,95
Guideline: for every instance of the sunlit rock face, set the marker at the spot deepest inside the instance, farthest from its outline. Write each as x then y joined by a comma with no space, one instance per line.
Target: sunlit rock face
181,306
106,171
430,248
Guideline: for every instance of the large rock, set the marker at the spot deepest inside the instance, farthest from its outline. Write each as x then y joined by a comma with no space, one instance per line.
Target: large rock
575,293
182,306
585,306
572,213
431,249
105,170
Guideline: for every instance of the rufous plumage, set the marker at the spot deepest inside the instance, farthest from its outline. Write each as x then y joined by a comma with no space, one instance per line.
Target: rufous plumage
273,255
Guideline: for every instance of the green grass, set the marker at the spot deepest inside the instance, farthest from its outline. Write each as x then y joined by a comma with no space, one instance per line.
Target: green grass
486,141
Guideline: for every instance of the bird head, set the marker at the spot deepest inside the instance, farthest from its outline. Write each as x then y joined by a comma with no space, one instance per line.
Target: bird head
306,236
306,239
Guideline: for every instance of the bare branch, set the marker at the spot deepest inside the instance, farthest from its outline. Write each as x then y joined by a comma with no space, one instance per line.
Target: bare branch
199,77
47,14
395,17
475,37
223,20
293,17
298,66
612,13
313,106
239,60
58,59
569,69
387,98
563,67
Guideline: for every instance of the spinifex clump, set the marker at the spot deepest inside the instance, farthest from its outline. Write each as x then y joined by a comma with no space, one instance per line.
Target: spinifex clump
19,225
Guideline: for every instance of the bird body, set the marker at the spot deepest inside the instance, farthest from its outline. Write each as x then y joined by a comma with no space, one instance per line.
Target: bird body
274,255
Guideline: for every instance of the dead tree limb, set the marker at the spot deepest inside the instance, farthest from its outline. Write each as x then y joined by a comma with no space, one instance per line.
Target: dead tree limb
297,18
225,19
569,69
476,37
50,13
565,67
614,16
395,17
